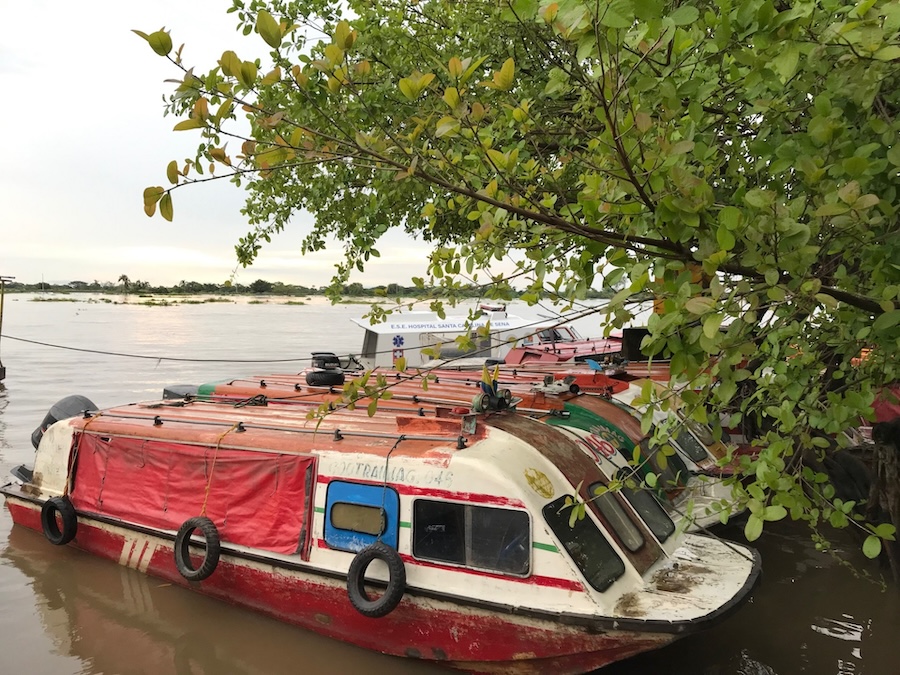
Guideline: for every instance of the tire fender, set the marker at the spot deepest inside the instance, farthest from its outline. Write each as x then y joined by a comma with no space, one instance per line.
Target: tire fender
324,378
59,533
210,535
356,579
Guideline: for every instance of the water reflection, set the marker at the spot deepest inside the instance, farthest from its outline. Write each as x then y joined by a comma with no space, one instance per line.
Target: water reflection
116,620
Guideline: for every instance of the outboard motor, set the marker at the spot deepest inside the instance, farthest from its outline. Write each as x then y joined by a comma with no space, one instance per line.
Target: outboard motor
68,407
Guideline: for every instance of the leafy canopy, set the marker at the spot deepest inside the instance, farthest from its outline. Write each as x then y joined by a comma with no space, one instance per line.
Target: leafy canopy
737,158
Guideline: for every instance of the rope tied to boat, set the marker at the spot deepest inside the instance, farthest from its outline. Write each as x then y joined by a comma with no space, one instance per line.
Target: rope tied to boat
77,445
387,462
234,427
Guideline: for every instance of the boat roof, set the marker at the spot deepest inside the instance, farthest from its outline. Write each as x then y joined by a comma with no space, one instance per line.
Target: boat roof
418,322
284,430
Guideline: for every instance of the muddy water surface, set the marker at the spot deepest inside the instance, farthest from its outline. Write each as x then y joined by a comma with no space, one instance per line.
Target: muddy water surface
66,613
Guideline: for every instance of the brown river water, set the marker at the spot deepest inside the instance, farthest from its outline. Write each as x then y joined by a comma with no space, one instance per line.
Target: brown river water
67,613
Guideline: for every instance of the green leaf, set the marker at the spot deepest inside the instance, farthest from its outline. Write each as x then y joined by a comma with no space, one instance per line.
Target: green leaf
887,53
160,42
725,238
886,320
165,206
612,19
786,61
700,305
711,325
684,15
827,300
192,123
761,199
372,408
230,63
855,166
893,154
754,527
832,210
268,29
872,547
447,126
774,512
730,217
153,194
247,74
498,158
172,172
503,78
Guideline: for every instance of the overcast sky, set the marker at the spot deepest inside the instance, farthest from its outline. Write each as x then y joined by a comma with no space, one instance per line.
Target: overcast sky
83,135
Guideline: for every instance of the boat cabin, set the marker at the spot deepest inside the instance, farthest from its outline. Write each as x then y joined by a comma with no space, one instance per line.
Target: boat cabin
405,335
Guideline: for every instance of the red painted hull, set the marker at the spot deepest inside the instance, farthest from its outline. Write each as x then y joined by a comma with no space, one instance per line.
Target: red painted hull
477,640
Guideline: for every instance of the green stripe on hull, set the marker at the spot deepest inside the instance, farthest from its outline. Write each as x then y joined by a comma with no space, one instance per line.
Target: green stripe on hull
544,547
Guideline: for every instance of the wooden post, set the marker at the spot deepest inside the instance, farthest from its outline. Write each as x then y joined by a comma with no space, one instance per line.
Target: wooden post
3,281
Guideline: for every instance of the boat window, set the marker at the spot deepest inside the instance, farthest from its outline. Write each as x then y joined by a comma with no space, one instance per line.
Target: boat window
358,514
649,508
475,536
449,348
586,545
703,433
668,477
616,516
358,518
691,445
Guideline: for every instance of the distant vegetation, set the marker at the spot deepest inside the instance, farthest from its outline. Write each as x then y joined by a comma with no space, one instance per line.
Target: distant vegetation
124,285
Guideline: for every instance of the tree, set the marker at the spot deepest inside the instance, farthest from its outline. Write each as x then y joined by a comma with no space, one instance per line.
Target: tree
261,286
738,160
125,281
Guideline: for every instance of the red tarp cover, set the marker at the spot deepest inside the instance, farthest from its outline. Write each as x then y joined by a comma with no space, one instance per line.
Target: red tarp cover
256,499
887,404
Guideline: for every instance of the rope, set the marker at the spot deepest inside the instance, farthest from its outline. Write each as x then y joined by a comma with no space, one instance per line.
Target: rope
387,461
75,453
213,467
151,358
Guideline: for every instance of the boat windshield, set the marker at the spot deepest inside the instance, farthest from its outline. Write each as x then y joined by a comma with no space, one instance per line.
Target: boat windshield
585,544
691,445
617,517
649,508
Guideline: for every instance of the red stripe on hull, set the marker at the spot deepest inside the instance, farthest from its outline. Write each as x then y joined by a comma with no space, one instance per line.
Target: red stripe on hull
472,639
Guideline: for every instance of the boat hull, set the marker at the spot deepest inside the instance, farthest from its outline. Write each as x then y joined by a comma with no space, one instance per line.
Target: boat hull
467,637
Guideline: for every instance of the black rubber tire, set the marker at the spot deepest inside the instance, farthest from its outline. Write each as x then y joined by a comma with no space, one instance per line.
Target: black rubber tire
324,378
183,548
356,579
55,534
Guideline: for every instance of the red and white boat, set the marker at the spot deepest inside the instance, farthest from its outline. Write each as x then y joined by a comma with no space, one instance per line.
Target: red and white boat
486,542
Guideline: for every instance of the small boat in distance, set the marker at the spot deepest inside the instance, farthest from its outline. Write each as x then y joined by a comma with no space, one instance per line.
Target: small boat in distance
495,334
485,541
